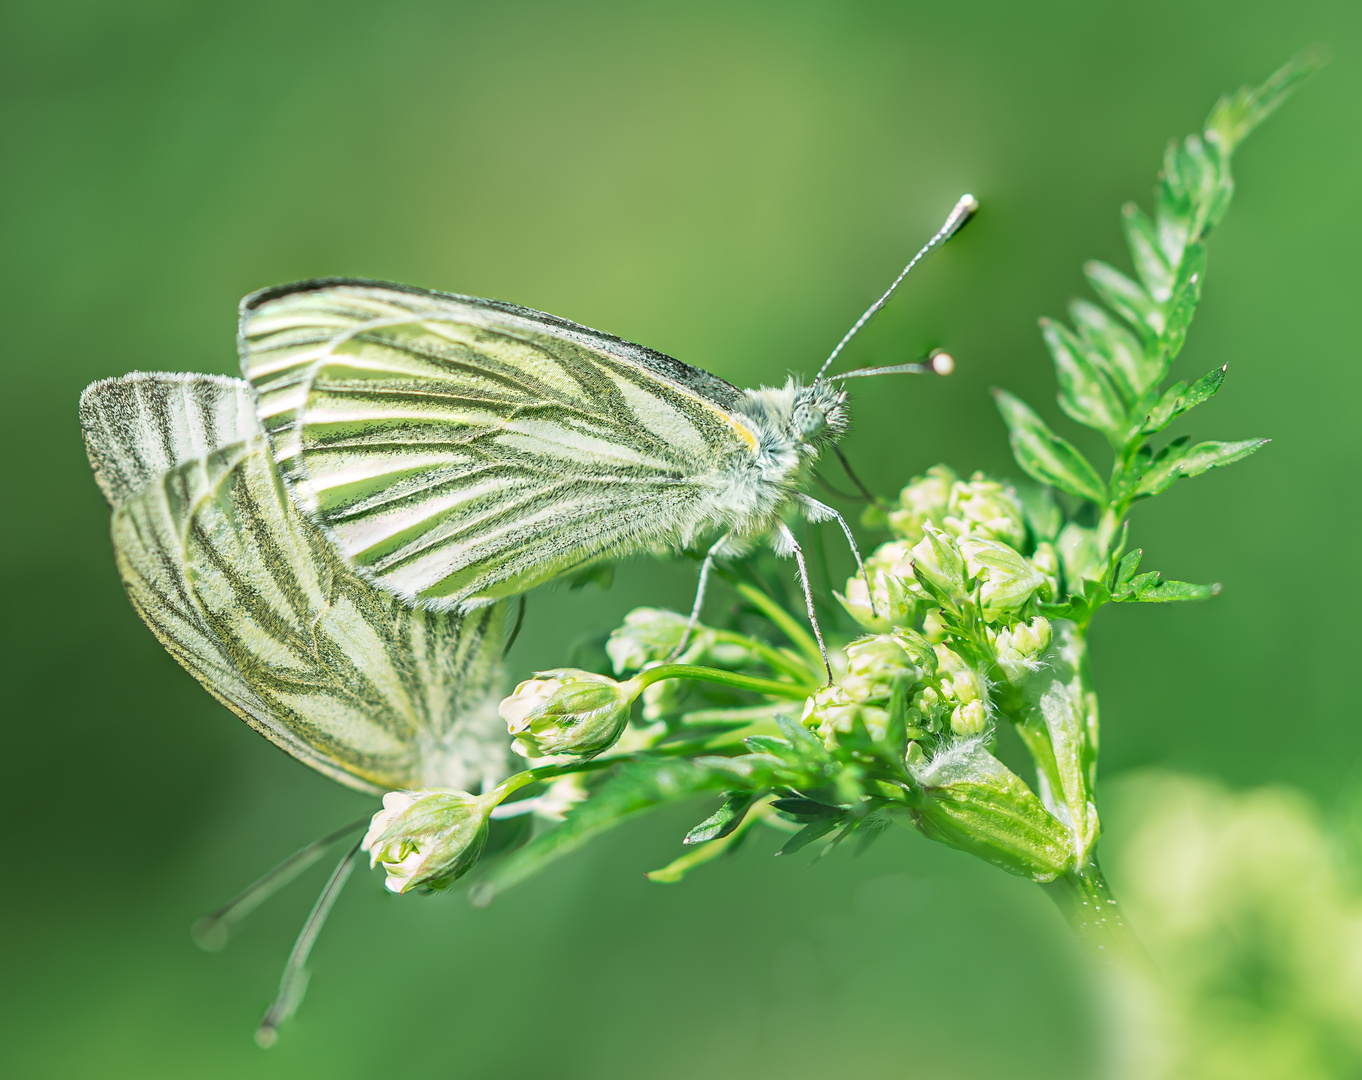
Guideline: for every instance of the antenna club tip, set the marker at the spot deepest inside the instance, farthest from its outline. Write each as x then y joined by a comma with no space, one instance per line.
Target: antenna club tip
967,204
941,362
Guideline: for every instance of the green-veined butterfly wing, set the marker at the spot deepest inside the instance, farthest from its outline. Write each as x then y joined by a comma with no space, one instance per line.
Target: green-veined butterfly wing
249,597
458,450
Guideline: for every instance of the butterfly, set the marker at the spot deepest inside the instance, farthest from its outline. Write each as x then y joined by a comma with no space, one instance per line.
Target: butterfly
457,451
253,601
249,596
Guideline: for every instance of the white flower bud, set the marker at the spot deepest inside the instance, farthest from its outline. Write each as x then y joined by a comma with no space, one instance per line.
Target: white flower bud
874,666
893,605
1018,649
924,500
427,839
567,711
1009,580
984,508
969,719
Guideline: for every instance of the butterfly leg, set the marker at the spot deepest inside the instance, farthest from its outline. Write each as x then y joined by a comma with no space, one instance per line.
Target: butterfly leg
786,544
817,511
705,568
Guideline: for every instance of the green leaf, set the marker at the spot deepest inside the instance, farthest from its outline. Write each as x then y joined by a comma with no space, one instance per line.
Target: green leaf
809,833
725,819
1150,588
1235,115
1043,516
1150,264
1167,407
1044,455
634,788
1085,393
1124,357
1186,296
1127,298
1212,455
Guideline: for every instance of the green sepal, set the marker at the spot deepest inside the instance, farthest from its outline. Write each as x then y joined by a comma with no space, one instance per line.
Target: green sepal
725,819
1044,455
980,806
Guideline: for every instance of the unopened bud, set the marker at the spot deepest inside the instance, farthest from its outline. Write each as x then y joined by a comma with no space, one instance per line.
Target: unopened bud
1008,579
984,508
646,636
427,839
875,665
924,500
1018,649
969,719
568,711
893,604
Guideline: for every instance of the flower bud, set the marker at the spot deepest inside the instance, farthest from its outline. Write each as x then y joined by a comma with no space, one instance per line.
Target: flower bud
984,508
956,680
938,559
427,839
1009,580
646,636
893,557
924,500
893,604
874,666
969,718
1018,649
833,714
567,711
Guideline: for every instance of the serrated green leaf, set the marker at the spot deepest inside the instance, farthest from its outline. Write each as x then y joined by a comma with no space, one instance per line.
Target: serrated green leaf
1235,115
1177,460
1084,391
1161,415
801,807
1153,269
634,788
1213,455
1127,298
1124,358
1186,296
1044,455
725,819
1150,588
1125,569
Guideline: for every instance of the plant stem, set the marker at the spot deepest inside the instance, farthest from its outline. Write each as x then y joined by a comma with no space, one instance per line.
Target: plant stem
1084,899
769,687
786,622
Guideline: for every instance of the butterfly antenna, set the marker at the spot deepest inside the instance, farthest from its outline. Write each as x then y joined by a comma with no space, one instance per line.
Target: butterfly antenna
964,210
293,983
212,932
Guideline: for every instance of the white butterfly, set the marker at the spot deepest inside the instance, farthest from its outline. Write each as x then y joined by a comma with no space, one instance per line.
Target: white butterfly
253,601
458,450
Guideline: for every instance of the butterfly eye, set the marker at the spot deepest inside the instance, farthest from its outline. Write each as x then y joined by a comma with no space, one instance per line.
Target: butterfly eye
808,420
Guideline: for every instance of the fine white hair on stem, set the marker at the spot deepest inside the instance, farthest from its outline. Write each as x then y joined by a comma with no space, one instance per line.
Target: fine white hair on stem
964,209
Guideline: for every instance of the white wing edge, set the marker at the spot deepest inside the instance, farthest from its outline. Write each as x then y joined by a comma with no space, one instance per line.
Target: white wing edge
139,426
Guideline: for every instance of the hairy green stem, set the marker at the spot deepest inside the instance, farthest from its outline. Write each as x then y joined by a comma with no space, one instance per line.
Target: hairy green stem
1085,900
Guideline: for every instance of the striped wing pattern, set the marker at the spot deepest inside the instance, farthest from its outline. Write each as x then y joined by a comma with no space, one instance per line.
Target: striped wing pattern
459,450
252,600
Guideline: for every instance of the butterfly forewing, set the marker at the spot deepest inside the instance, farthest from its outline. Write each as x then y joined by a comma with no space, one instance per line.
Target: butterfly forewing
252,599
458,450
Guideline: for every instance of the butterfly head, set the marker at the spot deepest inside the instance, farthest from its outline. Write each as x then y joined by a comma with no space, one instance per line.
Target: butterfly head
819,413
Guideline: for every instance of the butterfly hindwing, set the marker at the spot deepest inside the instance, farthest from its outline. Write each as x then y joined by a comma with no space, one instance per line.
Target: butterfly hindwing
250,598
458,450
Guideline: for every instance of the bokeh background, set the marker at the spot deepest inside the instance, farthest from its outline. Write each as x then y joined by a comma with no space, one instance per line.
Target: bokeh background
730,183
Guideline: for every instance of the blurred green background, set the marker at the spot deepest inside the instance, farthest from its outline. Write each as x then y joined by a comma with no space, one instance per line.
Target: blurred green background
730,183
